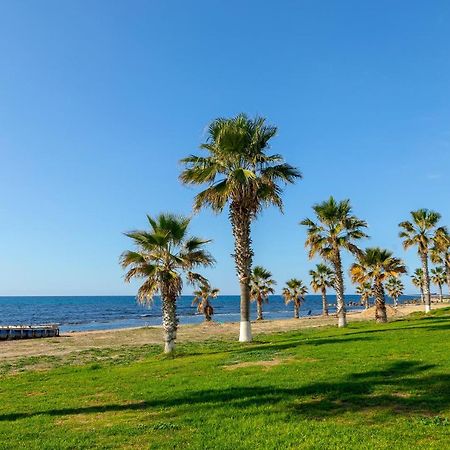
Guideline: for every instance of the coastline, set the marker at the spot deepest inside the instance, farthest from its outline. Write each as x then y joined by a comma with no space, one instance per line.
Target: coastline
72,343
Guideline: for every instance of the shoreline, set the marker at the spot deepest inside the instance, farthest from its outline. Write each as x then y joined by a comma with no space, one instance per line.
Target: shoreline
76,342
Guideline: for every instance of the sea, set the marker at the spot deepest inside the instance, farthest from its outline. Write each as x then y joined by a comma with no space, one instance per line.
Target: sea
113,312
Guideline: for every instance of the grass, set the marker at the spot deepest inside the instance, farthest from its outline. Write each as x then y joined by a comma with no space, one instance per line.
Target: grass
368,386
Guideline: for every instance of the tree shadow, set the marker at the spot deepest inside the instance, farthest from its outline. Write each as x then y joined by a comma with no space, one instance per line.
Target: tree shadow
401,387
439,327
295,343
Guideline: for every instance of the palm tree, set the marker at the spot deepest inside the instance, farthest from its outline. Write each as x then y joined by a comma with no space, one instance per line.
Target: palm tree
376,265
336,228
163,256
322,277
420,231
438,278
364,290
261,287
440,252
201,299
417,280
238,172
395,289
295,291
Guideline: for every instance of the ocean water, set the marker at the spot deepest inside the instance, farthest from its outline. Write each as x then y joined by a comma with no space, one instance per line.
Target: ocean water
102,313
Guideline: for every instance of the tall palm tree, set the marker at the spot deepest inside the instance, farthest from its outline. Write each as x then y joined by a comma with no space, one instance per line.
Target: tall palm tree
335,229
376,265
238,172
163,255
420,232
364,290
322,277
438,278
417,281
440,252
261,287
202,298
295,292
395,289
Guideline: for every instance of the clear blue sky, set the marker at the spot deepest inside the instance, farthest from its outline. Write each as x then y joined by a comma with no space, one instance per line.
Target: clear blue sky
100,99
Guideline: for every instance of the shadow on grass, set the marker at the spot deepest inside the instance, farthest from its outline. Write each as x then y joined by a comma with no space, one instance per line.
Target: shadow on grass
302,340
267,346
402,387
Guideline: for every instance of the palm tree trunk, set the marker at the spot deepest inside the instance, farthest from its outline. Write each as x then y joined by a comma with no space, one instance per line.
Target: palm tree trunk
339,288
259,308
243,254
426,282
440,293
170,323
380,309
366,302
296,309
208,311
324,302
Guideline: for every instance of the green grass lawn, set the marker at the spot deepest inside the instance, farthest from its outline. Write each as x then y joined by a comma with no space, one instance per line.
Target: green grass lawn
367,386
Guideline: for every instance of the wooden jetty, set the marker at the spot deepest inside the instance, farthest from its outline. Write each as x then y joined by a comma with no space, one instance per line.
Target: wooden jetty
28,331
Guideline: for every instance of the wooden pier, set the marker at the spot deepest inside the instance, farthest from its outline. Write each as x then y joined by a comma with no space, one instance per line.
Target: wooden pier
28,332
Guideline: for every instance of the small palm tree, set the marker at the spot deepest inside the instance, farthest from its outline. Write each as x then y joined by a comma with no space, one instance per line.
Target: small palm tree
295,292
438,278
376,265
163,255
335,229
239,173
440,252
202,298
261,287
420,232
395,289
322,277
364,290
417,281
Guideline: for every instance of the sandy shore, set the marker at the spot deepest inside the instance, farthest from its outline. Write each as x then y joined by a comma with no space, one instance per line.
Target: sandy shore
71,343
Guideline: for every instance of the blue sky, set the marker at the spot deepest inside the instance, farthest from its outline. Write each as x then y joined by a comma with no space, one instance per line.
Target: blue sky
100,99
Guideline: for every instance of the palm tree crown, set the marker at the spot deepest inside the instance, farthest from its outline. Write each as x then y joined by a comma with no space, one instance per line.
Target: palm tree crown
261,284
335,228
163,255
321,277
377,265
420,230
295,289
237,168
438,275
